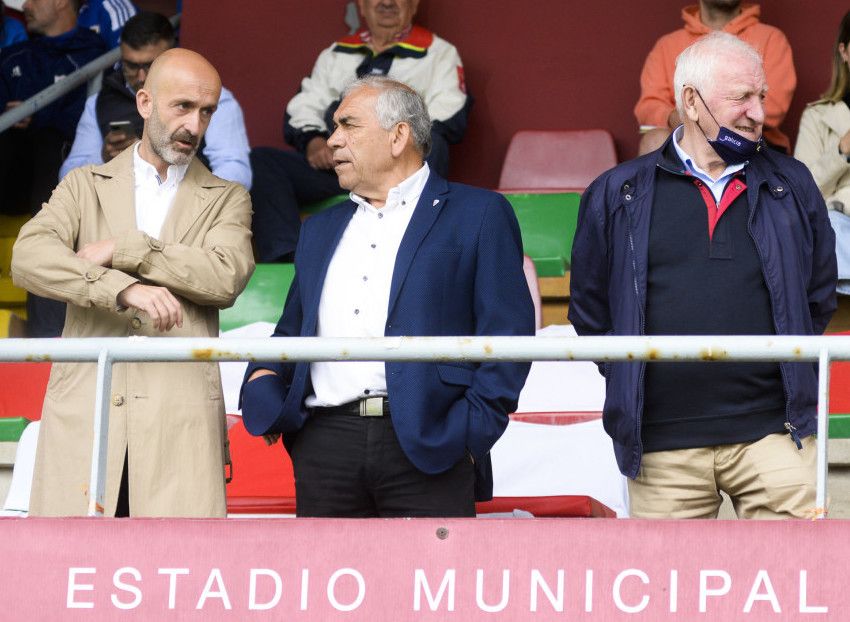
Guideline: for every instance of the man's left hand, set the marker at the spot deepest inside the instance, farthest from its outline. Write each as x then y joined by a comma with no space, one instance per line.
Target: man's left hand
99,253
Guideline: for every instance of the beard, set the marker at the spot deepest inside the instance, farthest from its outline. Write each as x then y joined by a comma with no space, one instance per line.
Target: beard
165,145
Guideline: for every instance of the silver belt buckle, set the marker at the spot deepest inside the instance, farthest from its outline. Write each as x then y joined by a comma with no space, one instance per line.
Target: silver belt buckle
372,407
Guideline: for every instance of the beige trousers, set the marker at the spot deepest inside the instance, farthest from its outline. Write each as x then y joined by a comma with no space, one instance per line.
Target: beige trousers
769,478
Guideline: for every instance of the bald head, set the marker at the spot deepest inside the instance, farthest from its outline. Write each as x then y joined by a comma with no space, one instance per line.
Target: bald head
180,64
178,99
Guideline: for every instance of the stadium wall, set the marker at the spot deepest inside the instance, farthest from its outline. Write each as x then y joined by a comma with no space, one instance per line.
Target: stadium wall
547,64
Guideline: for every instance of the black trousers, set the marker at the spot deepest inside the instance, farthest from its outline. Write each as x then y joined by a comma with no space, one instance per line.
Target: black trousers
351,466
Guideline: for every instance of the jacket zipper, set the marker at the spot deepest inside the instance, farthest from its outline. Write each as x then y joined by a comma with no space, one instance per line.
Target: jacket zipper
785,387
639,410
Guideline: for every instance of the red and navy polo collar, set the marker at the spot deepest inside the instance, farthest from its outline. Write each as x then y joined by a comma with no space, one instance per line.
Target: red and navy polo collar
411,43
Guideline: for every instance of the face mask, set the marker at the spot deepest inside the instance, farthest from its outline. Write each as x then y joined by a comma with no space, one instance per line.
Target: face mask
730,145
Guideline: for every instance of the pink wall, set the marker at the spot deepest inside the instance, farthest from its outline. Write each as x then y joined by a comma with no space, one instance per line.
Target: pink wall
543,64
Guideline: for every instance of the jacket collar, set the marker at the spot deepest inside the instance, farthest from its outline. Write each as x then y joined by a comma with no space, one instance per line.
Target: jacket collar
116,192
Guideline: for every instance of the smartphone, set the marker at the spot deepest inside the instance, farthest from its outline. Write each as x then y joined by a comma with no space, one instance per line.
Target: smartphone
121,126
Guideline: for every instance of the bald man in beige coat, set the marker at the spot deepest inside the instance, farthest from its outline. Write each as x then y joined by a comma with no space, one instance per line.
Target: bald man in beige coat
91,246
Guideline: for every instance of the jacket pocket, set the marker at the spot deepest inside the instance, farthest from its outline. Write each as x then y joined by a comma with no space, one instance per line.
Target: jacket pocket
452,374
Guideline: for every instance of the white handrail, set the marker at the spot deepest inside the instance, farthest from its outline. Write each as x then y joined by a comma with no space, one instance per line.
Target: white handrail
107,351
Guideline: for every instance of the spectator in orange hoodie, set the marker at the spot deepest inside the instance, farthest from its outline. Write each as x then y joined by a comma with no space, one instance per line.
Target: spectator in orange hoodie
656,110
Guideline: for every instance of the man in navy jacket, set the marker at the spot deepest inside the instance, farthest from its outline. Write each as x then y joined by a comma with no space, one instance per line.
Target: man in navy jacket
710,235
409,254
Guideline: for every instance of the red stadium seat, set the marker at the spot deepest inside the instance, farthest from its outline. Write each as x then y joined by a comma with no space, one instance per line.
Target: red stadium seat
556,160
24,387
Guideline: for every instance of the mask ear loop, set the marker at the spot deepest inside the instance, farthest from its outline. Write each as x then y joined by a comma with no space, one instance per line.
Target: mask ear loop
708,110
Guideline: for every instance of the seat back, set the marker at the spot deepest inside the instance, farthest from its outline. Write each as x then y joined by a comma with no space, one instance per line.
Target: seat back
556,160
263,298
548,224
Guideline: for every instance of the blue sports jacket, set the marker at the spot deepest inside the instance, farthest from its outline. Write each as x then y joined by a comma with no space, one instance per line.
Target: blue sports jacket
789,226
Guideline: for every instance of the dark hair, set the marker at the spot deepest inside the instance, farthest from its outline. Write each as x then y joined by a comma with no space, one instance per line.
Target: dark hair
840,75
147,28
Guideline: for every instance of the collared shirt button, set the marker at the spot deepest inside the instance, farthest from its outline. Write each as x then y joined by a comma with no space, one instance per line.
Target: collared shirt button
136,322
365,278
356,311
374,245
380,214
118,400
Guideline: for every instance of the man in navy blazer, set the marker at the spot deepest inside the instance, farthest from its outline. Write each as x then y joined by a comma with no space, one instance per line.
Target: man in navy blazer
409,254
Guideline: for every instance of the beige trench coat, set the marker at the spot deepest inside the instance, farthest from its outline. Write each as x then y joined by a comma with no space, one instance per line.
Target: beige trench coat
169,417
821,128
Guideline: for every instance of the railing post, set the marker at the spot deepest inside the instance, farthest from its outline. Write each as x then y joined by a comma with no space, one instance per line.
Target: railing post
97,483
823,433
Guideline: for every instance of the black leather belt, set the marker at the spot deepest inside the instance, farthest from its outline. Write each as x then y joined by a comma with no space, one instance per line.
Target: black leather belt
367,407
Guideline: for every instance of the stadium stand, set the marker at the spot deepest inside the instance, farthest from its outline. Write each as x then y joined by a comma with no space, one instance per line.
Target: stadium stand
262,299
556,160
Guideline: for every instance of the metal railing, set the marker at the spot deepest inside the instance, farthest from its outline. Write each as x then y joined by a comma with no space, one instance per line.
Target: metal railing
91,73
107,351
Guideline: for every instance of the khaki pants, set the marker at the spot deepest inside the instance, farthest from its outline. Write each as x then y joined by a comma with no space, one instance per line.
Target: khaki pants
769,478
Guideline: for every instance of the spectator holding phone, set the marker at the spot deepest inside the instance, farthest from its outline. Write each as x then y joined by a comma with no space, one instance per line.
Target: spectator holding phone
111,123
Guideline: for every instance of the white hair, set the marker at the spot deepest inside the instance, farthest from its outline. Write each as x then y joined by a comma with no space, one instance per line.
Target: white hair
698,63
397,102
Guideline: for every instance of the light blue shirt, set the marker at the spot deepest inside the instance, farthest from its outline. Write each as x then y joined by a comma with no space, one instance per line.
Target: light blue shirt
716,186
226,145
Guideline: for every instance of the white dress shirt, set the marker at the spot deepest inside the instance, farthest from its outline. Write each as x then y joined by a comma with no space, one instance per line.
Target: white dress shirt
153,195
356,292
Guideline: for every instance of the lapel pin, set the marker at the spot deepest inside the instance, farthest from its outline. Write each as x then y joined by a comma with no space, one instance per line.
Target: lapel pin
435,202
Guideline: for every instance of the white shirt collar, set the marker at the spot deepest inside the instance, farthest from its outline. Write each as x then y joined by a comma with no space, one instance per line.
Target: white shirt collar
695,170
145,172
404,194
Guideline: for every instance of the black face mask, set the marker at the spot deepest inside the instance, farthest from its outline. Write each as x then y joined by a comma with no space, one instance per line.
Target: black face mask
730,145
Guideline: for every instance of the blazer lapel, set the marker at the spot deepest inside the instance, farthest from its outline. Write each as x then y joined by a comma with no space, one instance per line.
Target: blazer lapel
116,192
326,246
431,201
195,195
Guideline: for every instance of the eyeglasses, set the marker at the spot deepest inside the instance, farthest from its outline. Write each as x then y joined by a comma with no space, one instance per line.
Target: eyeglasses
131,67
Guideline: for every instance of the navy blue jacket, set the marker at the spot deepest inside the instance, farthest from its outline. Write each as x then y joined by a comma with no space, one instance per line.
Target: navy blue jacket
789,226
31,66
458,271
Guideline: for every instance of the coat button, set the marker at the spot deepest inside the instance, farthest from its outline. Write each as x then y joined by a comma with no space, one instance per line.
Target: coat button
118,400
136,322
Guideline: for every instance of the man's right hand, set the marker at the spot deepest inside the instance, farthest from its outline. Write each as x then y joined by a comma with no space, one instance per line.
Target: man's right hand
160,304
115,142
319,155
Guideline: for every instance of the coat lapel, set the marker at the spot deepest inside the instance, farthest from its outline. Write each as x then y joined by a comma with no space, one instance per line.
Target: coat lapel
837,117
116,192
433,197
195,195
315,280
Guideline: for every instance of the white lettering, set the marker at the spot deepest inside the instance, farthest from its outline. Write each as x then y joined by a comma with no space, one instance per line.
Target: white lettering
674,591
126,587
762,578
252,589
73,587
618,597
305,582
172,582
220,592
705,591
539,583
420,583
804,605
479,591
588,591
361,589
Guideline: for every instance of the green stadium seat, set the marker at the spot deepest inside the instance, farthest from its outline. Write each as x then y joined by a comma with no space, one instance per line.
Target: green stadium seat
318,206
11,428
839,426
548,224
263,298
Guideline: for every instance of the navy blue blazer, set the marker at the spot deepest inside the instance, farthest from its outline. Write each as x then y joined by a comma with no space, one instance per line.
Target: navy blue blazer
458,271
